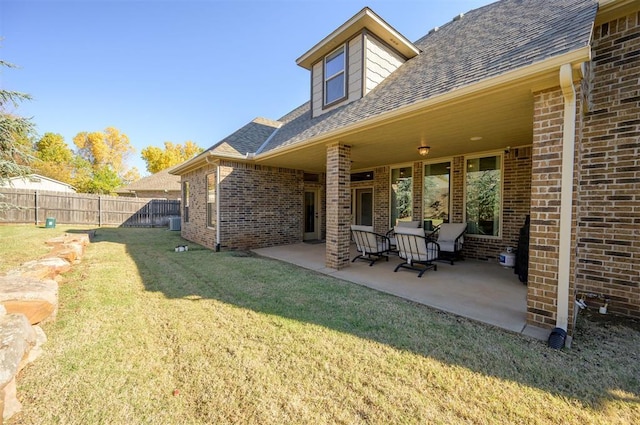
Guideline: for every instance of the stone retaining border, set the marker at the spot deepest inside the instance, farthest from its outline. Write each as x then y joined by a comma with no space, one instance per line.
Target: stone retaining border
29,296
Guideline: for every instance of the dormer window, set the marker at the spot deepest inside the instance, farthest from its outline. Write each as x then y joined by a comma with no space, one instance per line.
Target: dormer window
335,76
368,47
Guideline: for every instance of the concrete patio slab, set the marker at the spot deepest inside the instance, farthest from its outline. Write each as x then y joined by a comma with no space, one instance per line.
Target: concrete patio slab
478,290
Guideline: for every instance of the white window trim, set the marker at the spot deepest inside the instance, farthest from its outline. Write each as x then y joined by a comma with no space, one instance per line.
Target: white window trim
390,181
499,153
326,77
439,161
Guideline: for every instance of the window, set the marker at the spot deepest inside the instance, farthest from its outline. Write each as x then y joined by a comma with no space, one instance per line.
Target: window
185,201
401,194
334,76
483,198
436,194
362,176
211,200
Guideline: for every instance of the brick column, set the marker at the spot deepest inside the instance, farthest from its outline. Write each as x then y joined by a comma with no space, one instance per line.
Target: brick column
544,238
338,206
456,214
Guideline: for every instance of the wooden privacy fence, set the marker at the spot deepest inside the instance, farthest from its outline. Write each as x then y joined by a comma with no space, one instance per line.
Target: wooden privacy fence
81,208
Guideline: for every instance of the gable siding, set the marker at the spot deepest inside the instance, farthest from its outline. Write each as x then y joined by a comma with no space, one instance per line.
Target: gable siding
355,69
354,78
381,61
316,89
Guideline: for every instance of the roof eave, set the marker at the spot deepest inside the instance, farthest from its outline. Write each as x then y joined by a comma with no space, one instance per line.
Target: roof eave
368,19
575,58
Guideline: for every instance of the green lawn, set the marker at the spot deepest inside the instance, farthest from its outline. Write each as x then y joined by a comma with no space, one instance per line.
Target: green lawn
146,335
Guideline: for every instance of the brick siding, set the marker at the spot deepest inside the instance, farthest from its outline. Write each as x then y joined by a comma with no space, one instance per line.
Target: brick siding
338,206
608,244
545,207
196,229
259,206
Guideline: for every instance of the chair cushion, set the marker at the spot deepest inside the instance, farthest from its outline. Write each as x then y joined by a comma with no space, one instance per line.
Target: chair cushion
413,224
362,228
449,232
408,231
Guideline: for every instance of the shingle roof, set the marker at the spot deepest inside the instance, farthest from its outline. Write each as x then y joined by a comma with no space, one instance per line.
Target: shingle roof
485,42
247,139
159,181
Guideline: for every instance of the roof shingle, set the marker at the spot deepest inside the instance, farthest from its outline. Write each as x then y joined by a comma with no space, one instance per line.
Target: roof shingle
484,43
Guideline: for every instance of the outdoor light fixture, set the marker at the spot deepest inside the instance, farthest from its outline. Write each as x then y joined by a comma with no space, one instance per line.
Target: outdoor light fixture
424,150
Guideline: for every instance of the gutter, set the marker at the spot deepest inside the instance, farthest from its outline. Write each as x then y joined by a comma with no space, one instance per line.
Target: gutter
566,195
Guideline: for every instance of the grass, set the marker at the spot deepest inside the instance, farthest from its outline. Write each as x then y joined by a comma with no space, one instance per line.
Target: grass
145,335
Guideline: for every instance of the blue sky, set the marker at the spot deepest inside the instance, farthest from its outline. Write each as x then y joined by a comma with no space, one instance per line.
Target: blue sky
169,70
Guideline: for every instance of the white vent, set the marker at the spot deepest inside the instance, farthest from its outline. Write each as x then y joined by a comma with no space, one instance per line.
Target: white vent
174,223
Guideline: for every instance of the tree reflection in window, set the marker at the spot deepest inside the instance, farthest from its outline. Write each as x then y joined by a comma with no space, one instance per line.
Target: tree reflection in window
401,194
483,198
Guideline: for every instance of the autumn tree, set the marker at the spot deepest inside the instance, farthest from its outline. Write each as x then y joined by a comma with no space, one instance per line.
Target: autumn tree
103,158
15,136
55,158
173,154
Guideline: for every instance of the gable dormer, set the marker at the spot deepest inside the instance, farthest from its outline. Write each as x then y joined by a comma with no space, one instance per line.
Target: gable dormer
353,60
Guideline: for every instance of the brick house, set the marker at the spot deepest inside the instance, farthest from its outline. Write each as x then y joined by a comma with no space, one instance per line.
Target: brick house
533,104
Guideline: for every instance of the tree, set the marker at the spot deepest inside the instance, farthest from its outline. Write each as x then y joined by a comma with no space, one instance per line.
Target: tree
110,148
15,133
55,158
101,166
173,154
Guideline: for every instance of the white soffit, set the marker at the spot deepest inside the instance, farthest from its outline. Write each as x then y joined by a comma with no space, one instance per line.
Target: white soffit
365,19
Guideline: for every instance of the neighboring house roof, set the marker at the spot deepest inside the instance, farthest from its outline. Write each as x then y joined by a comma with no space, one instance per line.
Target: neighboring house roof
38,182
486,42
160,181
489,42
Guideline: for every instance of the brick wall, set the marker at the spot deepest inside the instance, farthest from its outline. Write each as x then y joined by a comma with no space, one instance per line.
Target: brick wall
457,190
196,229
338,206
381,199
259,206
608,239
545,207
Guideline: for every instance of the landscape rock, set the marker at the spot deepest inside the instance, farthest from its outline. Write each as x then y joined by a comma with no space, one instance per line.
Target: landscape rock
67,238
37,299
44,268
36,350
17,337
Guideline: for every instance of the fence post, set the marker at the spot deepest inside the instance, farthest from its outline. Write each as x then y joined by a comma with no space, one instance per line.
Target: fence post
35,200
99,211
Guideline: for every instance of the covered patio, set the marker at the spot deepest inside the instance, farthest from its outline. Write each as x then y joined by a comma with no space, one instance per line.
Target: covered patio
478,290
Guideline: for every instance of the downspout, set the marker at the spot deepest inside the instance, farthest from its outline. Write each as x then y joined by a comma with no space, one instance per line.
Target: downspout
566,195
217,247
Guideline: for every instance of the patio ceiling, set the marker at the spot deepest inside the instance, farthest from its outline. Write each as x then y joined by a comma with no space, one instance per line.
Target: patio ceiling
502,115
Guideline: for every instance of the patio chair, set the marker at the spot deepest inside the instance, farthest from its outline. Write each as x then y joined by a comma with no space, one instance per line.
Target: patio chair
371,246
391,234
450,238
418,252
